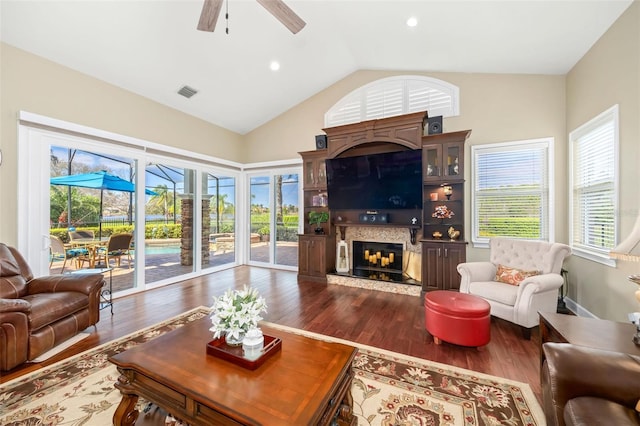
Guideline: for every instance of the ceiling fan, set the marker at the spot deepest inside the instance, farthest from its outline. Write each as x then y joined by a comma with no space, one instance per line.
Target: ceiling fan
282,12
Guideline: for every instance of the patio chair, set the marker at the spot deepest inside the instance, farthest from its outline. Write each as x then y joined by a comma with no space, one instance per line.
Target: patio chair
118,245
59,252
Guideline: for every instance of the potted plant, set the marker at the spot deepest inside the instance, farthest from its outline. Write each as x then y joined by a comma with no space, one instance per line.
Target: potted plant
264,233
316,218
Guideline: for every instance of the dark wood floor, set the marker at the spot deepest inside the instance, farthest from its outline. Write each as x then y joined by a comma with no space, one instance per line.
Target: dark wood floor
384,320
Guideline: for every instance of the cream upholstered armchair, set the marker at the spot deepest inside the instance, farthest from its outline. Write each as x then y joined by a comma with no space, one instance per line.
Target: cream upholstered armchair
521,279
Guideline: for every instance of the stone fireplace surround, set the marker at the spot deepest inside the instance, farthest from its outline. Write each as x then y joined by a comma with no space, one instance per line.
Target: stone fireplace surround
411,263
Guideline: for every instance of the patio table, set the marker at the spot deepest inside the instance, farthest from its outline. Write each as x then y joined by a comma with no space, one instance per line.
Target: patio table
92,247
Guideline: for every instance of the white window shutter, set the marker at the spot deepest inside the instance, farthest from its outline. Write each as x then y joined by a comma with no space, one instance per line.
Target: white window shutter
394,96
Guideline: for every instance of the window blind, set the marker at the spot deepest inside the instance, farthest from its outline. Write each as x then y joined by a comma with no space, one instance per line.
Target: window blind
511,191
594,186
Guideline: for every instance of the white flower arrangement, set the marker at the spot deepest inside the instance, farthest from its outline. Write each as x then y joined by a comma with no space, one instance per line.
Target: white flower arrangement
236,312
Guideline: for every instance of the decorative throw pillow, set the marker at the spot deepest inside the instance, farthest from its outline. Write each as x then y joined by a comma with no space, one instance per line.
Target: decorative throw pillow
513,276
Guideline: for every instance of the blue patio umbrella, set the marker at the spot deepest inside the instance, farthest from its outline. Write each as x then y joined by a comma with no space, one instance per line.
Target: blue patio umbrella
98,180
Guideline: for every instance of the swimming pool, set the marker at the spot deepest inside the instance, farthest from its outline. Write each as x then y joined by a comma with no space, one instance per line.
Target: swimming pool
161,250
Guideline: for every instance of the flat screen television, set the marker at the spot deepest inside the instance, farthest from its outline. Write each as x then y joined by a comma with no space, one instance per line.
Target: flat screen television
385,181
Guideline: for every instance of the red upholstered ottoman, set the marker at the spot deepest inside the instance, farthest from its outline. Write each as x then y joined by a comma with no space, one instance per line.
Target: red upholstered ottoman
458,318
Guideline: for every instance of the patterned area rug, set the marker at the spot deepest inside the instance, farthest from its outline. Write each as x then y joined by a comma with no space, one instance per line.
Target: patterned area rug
388,389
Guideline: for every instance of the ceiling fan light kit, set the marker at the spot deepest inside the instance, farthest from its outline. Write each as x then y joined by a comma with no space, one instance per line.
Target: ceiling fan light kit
282,12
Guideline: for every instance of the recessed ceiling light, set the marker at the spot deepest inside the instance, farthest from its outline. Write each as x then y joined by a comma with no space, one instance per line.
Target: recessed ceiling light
274,65
412,22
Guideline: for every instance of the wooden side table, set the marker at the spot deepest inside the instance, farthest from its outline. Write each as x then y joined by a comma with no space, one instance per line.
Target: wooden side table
107,294
590,332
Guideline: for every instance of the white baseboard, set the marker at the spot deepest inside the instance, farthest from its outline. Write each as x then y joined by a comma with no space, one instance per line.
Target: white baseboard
577,309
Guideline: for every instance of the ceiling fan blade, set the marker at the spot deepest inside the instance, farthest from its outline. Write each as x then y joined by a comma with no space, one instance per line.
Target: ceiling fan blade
284,14
209,15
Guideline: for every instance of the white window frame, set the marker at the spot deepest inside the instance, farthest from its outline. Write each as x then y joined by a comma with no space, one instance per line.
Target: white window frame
578,247
256,170
394,96
37,133
548,216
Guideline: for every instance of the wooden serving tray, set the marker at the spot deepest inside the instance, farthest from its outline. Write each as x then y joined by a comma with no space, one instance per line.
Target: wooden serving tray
234,354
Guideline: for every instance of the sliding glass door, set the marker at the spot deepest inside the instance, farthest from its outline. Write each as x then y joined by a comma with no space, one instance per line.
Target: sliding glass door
274,217
92,194
169,246
219,226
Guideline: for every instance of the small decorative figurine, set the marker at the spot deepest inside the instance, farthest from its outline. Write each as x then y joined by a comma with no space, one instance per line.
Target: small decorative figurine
453,233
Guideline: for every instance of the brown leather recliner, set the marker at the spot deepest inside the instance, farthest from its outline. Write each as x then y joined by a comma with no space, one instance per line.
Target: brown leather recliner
37,314
586,386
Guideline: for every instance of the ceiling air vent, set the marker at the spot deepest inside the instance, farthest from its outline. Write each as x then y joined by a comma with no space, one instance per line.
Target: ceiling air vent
187,91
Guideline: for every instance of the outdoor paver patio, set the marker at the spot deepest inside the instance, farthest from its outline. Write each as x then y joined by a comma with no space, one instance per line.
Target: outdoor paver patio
162,266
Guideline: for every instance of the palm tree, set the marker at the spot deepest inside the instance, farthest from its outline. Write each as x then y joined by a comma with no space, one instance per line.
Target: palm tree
221,206
161,200
279,212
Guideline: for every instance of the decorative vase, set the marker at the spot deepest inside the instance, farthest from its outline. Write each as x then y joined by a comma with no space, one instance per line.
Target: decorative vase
233,341
252,344
319,230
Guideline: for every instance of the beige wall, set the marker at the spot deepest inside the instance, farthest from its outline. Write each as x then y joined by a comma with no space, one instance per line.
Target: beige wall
609,74
497,107
33,84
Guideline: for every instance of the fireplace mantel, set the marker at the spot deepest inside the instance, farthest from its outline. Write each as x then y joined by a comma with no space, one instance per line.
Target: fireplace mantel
341,228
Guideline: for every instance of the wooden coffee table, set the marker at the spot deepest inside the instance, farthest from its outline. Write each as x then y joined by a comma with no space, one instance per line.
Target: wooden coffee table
307,382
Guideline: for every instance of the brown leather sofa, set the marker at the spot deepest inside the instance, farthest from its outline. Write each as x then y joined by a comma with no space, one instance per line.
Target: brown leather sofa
586,386
37,314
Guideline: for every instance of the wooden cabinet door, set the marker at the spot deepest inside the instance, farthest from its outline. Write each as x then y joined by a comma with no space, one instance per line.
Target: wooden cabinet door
439,263
314,169
316,255
432,162
443,162
453,255
317,258
431,266
453,161
304,246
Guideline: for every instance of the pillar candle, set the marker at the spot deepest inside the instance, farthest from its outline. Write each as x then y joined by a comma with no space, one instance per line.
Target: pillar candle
391,257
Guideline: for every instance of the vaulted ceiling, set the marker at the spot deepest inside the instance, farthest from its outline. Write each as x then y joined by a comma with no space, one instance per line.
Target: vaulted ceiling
152,47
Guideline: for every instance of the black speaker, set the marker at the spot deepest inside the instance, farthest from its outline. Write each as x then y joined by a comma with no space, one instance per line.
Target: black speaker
434,125
321,141
373,218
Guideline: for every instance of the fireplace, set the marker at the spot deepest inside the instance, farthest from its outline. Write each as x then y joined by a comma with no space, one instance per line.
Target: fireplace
378,260
401,275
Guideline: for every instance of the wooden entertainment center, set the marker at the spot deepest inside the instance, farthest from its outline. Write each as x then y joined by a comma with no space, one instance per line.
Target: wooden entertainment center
442,166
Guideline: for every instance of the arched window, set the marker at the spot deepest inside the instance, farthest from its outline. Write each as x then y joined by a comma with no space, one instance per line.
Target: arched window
393,96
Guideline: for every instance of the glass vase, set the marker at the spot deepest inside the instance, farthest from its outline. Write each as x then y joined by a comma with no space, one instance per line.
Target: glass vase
233,341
